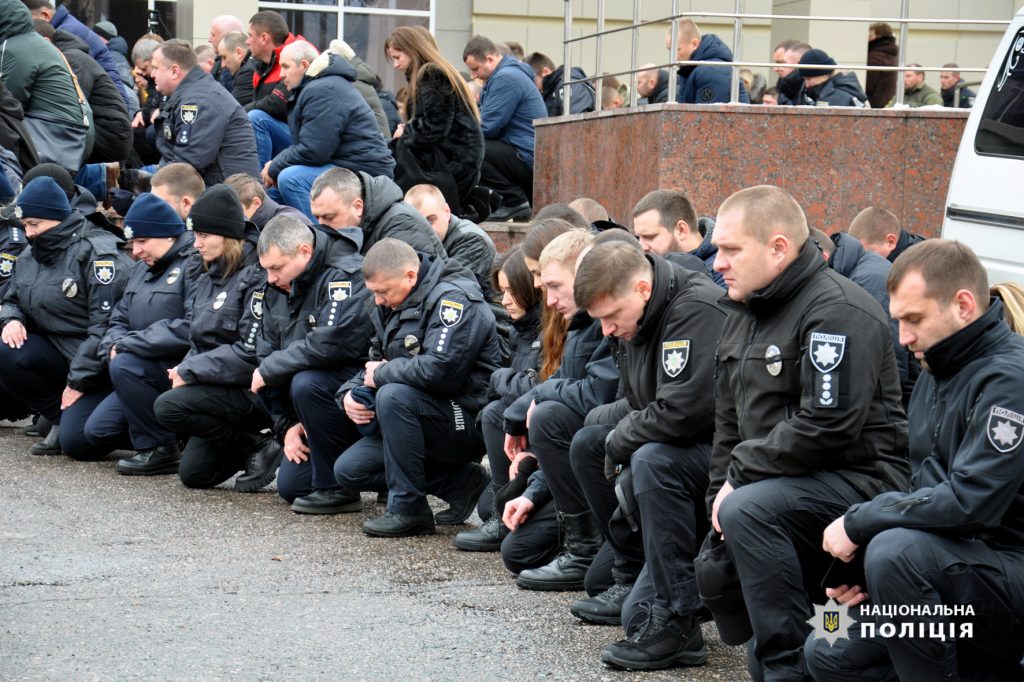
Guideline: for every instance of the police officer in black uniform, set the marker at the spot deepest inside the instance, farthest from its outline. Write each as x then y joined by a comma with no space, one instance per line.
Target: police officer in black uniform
148,334
956,538
316,335
54,314
438,346
12,243
209,398
667,321
200,124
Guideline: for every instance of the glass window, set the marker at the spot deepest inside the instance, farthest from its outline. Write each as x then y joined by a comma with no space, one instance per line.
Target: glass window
1001,130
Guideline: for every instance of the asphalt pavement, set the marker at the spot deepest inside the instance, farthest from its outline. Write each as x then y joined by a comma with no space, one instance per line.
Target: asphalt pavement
107,577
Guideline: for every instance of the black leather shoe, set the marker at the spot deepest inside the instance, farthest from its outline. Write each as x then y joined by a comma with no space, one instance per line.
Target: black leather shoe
393,525
49,445
39,427
506,213
459,510
328,501
604,608
566,572
664,641
486,538
154,462
260,467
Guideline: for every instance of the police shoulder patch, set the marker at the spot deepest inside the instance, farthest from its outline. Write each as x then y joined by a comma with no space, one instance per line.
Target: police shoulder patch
339,291
104,271
256,304
7,261
189,113
674,356
450,312
826,350
1005,429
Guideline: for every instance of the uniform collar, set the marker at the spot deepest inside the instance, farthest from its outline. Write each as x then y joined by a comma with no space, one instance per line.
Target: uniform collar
953,353
789,282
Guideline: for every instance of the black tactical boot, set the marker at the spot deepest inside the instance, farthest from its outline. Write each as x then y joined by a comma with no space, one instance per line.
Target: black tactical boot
567,570
260,467
459,509
49,445
486,538
153,462
393,525
665,640
328,501
604,608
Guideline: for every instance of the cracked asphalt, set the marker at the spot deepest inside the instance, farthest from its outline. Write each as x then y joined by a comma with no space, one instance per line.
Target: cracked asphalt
106,577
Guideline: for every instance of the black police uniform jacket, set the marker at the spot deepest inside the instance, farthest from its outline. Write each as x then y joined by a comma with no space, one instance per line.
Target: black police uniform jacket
441,340
227,314
202,125
151,319
12,242
806,381
667,369
586,378
385,215
65,286
322,323
966,428
508,383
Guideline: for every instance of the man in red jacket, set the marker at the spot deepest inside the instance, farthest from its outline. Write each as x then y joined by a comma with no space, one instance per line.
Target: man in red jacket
268,112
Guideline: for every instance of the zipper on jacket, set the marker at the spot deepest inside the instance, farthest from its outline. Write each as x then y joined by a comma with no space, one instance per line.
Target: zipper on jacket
904,505
743,366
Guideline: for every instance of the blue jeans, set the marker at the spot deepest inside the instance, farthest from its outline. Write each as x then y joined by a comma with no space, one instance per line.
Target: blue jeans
271,135
294,184
93,177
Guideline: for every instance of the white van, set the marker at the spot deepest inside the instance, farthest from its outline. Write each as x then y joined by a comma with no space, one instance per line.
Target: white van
985,204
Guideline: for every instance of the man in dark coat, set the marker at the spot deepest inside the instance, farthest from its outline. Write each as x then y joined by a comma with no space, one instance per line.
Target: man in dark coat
824,87
550,80
652,86
201,123
331,126
880,231
955,92
257,206
880,86
118,48
236,59
703,84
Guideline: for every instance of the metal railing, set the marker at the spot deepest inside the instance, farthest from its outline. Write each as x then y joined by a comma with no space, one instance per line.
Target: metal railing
738,16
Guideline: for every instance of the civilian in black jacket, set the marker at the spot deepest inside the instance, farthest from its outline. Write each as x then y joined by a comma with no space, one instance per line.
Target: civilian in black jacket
955,539
236,60
258,207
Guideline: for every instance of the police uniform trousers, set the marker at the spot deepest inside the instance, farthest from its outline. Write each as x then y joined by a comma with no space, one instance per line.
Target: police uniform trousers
773,530
126,419
491,422
224,425
552,426
535,542
329,432
917,568
37,374
424,446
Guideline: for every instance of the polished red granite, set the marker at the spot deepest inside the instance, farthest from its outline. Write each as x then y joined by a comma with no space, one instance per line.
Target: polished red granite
835,161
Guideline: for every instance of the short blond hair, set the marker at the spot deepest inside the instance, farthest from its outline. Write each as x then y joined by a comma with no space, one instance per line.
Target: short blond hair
566,248
768,210
417,193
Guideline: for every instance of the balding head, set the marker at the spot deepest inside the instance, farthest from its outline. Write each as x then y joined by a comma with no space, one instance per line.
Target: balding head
225,23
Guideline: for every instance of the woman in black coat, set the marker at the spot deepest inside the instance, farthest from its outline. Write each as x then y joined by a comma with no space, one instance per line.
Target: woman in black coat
441,144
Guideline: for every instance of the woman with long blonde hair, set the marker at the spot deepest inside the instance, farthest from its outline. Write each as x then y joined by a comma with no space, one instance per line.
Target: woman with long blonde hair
441,143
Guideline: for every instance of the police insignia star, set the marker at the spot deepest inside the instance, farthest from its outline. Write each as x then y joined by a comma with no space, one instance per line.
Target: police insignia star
826,350
188,223
339,291
104,271
674,356
831,621
256,304
17,212
128,232
189,112
1005,429
450,312
7,264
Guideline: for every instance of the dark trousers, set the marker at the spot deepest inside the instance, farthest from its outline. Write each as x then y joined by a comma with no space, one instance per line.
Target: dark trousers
425,446
587,456
35,374
329,432
504,171
552,426
918,568
224,425
535,542
491,421
11,408
73,441
125,418
773,531
670,484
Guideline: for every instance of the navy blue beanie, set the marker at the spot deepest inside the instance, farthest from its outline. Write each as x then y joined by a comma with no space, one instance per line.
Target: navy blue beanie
43,199
367,397
815,63
151,216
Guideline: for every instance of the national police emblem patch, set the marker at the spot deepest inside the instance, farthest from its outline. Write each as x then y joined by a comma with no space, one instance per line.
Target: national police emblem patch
256,304
7,265
450,312
1005,429
189,112
104,271
339,291
826,350
674,356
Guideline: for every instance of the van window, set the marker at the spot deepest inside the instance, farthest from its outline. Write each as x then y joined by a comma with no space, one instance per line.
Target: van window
1001,130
